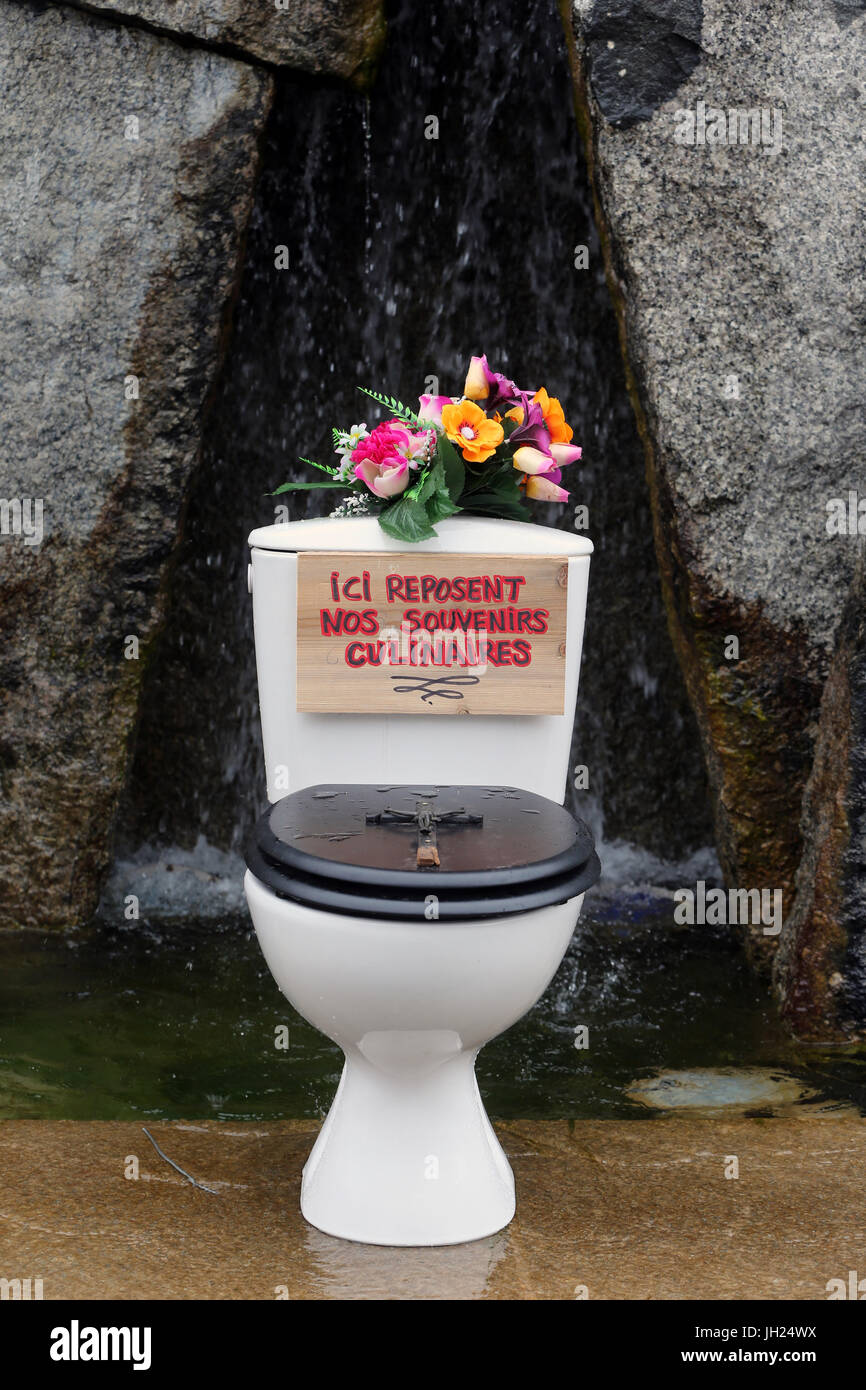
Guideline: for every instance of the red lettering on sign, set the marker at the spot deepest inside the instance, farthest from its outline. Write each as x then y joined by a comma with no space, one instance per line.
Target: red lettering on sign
343,620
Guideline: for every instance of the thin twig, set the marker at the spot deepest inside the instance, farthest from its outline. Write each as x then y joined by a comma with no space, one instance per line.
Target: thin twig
177,1166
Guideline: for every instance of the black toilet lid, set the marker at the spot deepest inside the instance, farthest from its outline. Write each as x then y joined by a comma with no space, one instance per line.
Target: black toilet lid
366,850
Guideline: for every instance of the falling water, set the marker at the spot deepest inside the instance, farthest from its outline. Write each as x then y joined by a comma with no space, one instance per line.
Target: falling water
368,187
408,252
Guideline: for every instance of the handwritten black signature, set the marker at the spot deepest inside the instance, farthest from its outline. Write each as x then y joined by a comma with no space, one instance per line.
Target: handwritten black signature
428,687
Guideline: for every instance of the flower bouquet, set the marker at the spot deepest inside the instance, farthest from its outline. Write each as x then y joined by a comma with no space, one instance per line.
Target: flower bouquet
484,452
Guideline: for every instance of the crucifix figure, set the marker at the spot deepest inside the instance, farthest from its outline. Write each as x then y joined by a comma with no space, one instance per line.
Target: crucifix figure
425,819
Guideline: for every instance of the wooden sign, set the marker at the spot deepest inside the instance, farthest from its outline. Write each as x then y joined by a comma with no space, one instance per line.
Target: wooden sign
431,634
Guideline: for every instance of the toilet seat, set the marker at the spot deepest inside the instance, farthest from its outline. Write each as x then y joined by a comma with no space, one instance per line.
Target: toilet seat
355,850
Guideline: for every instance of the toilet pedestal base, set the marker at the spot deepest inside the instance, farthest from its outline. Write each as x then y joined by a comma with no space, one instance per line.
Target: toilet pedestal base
408,1157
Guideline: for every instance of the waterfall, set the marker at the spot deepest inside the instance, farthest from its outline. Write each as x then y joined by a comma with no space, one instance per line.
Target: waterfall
437,217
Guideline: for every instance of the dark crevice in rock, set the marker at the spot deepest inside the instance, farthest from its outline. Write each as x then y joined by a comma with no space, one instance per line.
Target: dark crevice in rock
853,1007
820,969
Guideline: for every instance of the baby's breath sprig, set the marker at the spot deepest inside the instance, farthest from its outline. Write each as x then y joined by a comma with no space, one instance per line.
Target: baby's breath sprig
353,505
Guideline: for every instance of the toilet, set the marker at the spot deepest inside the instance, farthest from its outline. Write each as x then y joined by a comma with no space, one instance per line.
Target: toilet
415,881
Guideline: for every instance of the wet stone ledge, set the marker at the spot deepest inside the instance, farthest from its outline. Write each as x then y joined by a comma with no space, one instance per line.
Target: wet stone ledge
605,1210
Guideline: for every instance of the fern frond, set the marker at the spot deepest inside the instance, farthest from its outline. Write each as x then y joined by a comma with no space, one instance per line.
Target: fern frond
312,462
391,403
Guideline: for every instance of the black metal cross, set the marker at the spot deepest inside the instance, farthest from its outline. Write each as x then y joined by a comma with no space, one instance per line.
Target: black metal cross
425,819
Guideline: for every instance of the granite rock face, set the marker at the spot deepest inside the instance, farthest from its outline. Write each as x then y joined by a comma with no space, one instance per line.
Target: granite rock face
126,176
340,38
734,215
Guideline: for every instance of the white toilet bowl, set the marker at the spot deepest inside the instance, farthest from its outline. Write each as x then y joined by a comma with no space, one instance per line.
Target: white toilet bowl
407,1155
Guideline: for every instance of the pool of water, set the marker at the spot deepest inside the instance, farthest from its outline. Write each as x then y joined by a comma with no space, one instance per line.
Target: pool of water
181,1023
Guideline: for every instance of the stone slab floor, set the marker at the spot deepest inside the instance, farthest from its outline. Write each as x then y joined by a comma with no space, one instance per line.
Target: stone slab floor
626,1209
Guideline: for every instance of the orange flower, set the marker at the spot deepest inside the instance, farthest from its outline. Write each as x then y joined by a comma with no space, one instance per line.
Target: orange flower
554,417
467,425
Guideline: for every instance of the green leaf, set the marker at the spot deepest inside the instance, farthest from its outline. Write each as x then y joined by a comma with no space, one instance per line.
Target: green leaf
452,464
498,495
491,504
421,488
406,520
435,496
439,506
433,481
501,478
308,487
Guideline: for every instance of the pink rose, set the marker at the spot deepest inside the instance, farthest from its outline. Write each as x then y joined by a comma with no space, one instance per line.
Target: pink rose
384,458
383,443
385,479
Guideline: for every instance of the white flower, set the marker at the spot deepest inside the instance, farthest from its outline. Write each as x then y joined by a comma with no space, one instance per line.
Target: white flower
421,448
347,440
344,442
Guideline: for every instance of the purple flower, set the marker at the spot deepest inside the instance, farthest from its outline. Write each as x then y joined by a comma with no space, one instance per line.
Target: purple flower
532,429
492,390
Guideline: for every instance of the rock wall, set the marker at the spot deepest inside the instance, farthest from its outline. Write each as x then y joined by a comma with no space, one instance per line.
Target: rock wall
340,38
126,168
735,248
820,969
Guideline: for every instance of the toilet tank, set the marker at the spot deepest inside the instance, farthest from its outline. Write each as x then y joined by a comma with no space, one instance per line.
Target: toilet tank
305,682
